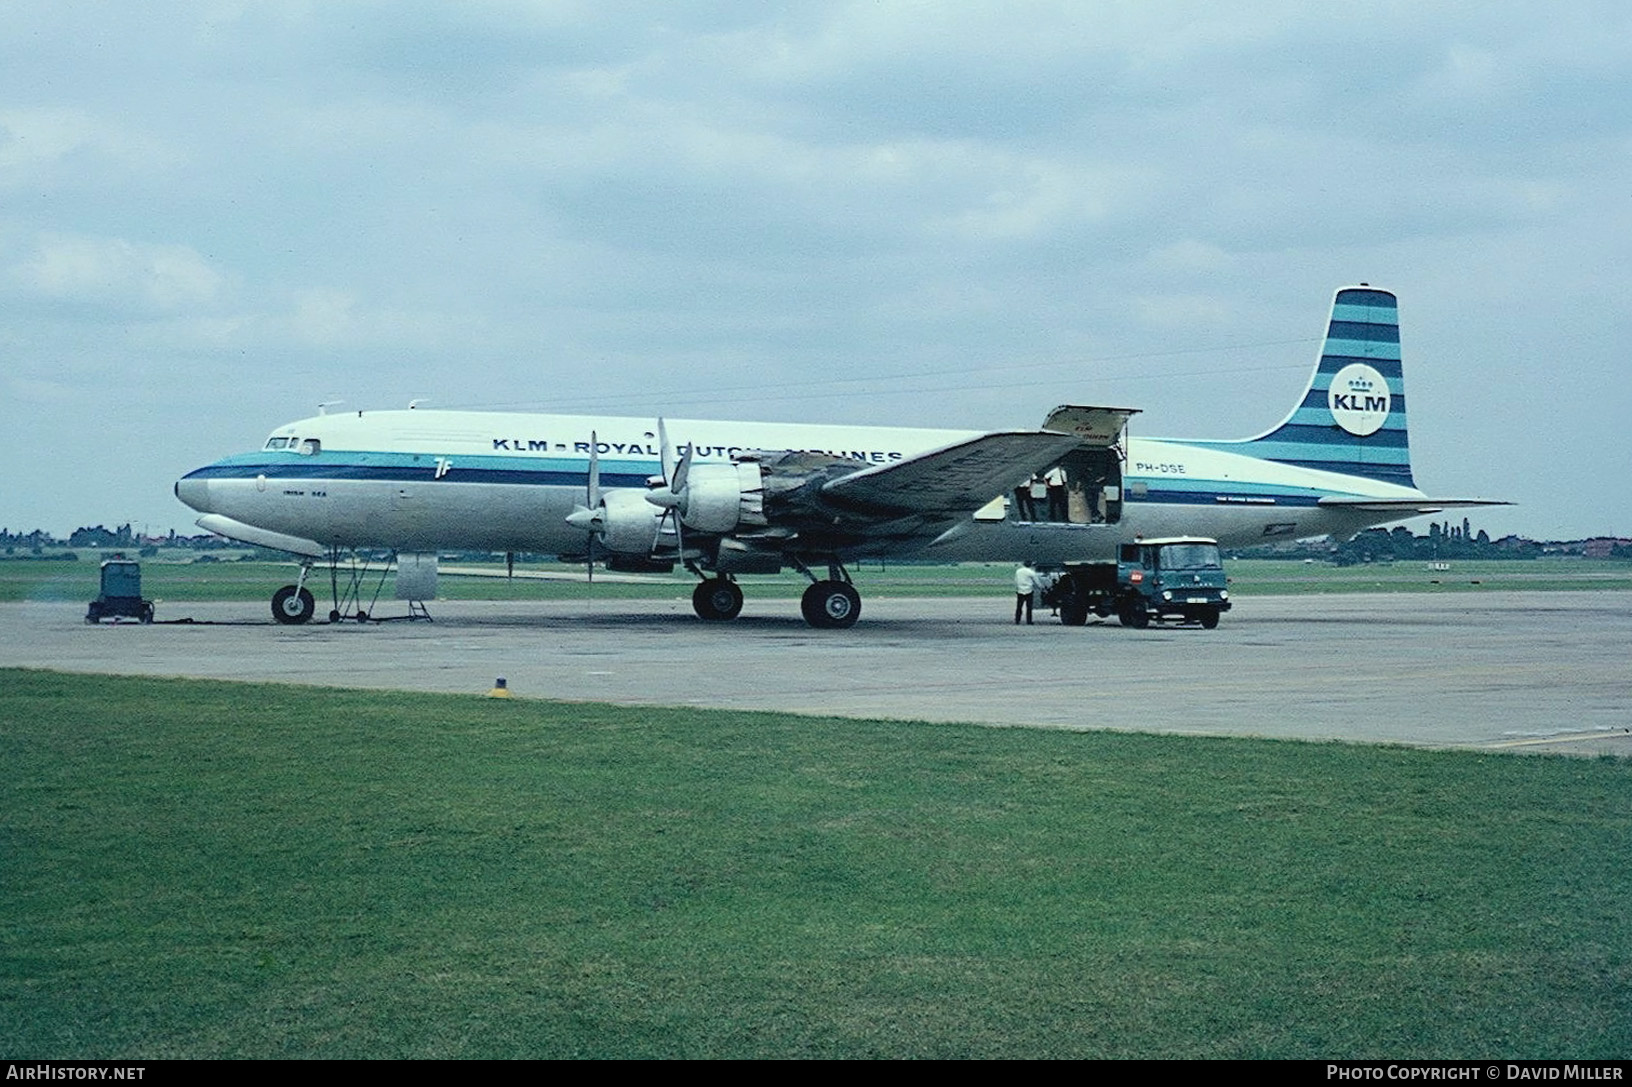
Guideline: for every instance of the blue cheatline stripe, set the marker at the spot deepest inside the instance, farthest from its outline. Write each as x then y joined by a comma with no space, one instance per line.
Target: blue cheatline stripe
1318,443
1219,494
1335,455
267,460
1383,473
418,473
1366,333
1367,351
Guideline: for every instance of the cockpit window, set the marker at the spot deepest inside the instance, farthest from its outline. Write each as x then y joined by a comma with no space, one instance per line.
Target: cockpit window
278,443
309,446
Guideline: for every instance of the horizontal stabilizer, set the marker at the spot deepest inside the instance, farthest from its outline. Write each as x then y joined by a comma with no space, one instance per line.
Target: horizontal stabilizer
1409,505
957,479
260,537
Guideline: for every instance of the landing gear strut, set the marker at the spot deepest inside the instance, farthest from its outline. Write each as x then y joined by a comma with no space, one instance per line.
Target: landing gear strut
293,604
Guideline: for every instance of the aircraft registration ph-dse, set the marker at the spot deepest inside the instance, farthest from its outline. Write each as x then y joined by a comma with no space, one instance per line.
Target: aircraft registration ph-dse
730,498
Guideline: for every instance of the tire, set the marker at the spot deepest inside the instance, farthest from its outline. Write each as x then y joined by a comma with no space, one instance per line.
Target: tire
292,605
147,611
1136,616
831,605
1073,614
1208,618
717,600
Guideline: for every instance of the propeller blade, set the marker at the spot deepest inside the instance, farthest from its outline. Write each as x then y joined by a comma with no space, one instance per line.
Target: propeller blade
665,451
593,498
677,482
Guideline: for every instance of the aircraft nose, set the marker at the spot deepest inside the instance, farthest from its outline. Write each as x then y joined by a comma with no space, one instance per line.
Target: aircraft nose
194,492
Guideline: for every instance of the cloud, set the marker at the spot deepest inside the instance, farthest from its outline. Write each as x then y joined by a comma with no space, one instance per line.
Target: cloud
118,272
60,144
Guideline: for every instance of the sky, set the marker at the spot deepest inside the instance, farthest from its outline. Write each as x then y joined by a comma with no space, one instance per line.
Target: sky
216,215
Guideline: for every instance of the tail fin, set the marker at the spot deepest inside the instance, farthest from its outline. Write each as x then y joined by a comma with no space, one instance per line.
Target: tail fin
1352,417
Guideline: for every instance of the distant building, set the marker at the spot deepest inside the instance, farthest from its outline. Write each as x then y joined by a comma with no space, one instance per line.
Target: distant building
1602,547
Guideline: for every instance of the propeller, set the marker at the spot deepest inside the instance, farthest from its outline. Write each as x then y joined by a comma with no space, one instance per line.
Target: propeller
590,517
673,480
668,498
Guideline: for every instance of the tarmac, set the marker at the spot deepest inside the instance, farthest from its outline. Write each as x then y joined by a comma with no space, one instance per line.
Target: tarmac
1510,671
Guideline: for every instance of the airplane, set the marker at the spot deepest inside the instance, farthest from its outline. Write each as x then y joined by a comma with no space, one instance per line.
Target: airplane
733,498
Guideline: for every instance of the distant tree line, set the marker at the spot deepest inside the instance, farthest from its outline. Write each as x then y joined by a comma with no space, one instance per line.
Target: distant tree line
1443,542
101,537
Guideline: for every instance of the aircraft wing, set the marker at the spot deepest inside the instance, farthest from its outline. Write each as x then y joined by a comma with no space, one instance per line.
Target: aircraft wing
955,480
1407,506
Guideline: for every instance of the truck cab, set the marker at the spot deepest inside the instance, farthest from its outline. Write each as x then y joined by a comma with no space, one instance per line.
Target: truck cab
1177,577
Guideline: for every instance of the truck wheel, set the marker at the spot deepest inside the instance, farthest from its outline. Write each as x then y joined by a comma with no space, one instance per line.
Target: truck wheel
1073,614
1208,618
1138,617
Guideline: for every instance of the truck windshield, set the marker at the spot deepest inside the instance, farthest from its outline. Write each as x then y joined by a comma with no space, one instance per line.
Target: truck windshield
1196,556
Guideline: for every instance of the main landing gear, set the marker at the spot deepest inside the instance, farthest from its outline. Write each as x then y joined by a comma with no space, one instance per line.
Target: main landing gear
831,605
717,599
828,604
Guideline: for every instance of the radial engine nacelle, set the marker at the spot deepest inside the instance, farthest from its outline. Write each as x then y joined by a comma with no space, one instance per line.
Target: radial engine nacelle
716,498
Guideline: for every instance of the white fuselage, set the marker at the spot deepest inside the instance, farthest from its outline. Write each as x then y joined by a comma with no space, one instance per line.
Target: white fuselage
445,480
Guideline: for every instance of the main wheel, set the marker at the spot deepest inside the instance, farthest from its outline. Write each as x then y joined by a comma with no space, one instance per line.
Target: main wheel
831,605
292,605
717,600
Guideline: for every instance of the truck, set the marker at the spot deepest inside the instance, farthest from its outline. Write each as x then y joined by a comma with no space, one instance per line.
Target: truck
1176,577
121,595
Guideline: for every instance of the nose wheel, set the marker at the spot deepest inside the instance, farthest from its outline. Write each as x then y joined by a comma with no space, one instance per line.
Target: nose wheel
293,604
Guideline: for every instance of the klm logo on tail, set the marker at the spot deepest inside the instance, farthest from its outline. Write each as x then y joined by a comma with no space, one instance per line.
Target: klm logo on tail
1352,417
1359,399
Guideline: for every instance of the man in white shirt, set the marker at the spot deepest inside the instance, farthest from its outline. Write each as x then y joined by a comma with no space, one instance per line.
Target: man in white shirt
1025,587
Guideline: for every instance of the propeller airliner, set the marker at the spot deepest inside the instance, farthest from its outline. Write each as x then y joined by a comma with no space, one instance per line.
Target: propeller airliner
726,499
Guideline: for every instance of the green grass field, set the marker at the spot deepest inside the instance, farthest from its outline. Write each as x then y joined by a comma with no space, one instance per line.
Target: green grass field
220,870
167,581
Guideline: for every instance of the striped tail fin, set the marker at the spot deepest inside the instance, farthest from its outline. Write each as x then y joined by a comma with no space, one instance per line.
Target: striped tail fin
1352,417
